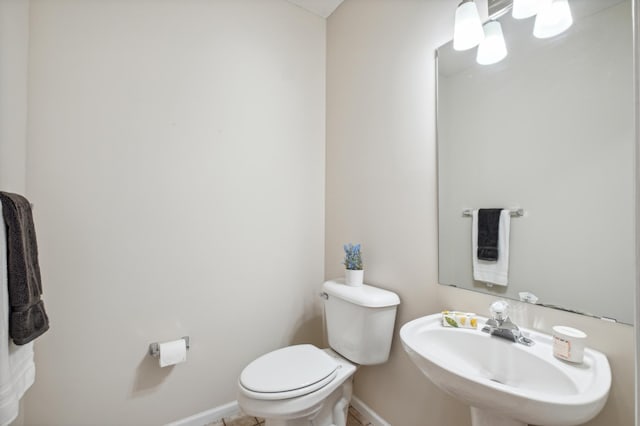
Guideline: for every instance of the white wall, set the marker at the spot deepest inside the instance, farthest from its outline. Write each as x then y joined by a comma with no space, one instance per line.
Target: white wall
176,162
381,191
14,52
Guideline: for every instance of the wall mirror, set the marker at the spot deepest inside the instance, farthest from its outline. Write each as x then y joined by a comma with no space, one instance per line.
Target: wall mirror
550,130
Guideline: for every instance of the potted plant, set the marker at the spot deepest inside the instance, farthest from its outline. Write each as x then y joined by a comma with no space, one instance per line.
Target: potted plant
354,274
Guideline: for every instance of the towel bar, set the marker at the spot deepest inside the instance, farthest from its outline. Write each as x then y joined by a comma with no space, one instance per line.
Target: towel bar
154,348
512,212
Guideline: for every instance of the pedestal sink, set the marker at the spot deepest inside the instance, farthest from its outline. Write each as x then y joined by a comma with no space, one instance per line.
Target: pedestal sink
506,383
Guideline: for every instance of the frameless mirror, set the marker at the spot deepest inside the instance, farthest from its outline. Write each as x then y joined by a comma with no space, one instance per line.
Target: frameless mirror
550,130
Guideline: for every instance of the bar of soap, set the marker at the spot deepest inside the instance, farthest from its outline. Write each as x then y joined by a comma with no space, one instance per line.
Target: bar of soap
459,319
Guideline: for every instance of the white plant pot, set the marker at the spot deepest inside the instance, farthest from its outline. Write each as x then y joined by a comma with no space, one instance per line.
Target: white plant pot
353,277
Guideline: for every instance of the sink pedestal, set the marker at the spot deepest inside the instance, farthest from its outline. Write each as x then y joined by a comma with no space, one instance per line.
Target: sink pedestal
482,417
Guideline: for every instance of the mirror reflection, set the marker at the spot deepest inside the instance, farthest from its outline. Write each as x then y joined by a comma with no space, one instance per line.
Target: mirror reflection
549,129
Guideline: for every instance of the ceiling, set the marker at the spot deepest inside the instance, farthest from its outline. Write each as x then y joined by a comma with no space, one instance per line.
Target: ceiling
322,8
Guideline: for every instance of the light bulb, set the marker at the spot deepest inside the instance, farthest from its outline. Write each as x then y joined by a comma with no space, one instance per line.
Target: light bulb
467,32
523,9
554,17
493,48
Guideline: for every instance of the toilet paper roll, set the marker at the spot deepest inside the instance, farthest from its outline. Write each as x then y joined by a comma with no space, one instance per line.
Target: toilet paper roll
173,352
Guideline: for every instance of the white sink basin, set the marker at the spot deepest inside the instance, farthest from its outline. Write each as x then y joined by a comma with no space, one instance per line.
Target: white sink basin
508,383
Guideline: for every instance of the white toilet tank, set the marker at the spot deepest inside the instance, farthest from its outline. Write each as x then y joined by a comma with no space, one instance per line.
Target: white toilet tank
360,321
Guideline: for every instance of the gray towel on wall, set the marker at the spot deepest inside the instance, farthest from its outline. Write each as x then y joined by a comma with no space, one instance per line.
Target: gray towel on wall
27,317
488,233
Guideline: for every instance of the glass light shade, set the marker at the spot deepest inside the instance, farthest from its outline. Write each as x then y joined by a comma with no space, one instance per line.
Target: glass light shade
553,18
523,9
493,48
467,32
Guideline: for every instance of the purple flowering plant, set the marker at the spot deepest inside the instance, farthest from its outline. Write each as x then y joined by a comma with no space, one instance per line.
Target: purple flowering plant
352,257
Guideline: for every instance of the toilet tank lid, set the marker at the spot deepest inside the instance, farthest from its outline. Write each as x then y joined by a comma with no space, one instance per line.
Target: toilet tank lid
364,295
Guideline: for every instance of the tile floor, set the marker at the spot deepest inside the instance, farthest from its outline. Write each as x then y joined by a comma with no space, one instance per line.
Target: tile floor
354,419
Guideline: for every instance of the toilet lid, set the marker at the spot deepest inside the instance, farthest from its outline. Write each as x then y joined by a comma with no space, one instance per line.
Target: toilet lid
288,372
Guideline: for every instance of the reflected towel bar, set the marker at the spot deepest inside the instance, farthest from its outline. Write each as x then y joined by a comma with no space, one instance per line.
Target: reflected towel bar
512,212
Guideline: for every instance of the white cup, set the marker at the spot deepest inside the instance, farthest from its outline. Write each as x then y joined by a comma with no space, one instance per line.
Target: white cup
568,343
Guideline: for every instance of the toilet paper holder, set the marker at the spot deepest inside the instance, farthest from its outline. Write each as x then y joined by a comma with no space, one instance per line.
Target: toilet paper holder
154,348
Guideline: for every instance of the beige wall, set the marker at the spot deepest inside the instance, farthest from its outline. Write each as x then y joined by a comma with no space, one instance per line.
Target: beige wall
381,191
176,162
14,52
14,66
381,182
636,20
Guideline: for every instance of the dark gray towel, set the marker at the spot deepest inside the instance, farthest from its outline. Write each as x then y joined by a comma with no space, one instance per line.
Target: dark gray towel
488,231
27,317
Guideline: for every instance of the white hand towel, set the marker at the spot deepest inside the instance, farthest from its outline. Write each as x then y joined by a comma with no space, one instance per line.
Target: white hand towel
492,272
17,369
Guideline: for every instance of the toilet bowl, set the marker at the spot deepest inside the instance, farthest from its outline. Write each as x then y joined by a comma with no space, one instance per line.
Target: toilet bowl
303,385
293,395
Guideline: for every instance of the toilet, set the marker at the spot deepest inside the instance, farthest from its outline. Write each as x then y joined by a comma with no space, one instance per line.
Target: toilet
303,385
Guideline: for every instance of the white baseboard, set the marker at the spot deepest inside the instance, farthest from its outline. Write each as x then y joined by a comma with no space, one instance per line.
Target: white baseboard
209,416
232,409
368,414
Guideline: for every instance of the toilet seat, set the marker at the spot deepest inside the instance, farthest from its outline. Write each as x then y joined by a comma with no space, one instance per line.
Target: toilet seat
288,372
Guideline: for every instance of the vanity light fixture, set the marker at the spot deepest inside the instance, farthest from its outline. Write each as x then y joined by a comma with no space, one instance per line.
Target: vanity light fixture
492,49
467,31
554,17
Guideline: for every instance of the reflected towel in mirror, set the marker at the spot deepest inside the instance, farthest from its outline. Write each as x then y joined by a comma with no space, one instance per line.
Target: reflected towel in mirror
492,272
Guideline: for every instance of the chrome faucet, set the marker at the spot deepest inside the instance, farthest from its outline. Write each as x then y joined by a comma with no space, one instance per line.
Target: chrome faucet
501,325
